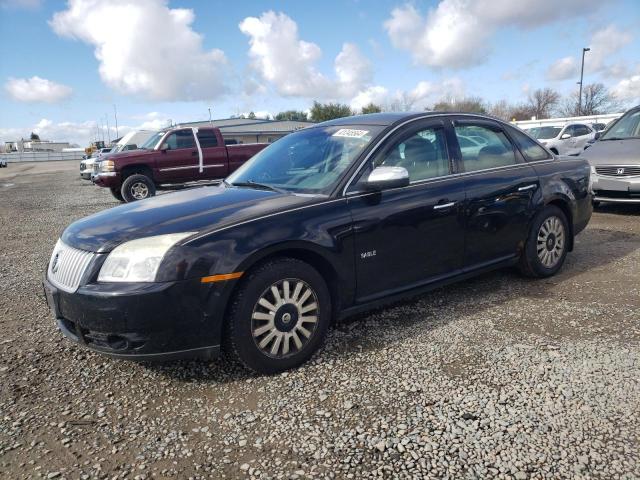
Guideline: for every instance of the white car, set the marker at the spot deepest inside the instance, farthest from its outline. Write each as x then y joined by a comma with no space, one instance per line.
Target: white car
86,166
568,140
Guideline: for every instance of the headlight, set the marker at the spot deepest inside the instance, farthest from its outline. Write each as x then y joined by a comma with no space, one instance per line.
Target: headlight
138,260
107,166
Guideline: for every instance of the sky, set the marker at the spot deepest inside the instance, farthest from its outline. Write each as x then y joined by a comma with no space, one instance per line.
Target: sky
66,64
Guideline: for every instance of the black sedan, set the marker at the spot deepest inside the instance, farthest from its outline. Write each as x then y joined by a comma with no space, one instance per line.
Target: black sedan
326,222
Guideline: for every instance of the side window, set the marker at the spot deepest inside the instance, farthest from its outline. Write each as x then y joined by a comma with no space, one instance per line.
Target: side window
496,152
423,154
530,149
581,130
207,138
180,139
570,130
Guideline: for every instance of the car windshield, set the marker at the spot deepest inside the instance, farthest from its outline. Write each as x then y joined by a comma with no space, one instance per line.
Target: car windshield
152,141
544,132
307,161
627,126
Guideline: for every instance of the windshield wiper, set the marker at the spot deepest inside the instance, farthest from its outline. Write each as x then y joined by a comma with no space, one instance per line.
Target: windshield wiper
261,186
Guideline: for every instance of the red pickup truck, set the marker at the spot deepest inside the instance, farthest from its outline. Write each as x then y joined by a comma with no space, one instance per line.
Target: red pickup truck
169,158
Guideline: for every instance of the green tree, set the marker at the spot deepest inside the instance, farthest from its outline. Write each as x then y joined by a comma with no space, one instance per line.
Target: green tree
371,108
321,112
295,115
465,104
35,136
251,115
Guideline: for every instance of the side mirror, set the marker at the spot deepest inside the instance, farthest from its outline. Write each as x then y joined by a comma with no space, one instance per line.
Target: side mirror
565,136
597,136
383,178
164,147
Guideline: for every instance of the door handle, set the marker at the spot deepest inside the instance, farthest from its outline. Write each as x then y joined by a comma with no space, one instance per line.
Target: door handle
444,205
528,187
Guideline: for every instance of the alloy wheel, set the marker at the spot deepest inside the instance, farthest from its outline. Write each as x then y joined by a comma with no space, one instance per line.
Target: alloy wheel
139,191
551,241
284,318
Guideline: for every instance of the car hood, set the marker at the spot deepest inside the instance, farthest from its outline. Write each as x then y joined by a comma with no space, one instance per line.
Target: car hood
192,210
613,152
131,153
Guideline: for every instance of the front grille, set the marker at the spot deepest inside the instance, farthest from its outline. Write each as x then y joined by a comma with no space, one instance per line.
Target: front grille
96,167
618,171
67,265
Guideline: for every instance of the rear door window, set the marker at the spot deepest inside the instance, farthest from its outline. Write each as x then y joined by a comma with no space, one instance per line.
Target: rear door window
497,152
530,149
207,138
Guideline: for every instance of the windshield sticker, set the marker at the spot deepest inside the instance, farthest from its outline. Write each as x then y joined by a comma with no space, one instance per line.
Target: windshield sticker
350,133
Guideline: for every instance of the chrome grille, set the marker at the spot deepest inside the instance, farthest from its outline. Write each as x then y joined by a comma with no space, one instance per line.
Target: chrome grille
96,167
67,265
618,171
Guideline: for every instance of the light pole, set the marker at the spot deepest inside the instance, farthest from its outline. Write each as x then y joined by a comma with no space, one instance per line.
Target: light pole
115,114
210,115
584,50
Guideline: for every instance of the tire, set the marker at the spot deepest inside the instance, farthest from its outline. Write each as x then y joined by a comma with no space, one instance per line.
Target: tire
116,193
547,245
137,187
293,340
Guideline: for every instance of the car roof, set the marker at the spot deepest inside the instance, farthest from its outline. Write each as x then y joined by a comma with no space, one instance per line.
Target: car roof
389,118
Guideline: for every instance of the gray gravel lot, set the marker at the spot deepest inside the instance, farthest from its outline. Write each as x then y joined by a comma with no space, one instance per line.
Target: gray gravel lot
498,377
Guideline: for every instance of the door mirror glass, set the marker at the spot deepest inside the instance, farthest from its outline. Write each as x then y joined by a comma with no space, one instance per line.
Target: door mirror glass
565,136
382,178
164,147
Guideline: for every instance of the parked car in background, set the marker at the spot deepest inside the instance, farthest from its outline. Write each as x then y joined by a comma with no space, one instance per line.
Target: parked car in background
615,161
3,163
567,140
87,165
326,222
172,157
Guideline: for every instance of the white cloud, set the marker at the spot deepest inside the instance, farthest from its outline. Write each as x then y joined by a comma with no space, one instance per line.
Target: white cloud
288,63
423,95
145,48
604,43
36,89
562,69
628,89
456,33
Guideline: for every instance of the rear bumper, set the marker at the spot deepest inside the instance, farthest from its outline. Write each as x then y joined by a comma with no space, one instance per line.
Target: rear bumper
616,189
141,322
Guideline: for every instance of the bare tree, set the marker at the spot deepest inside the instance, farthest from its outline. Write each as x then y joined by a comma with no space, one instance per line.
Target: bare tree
542,102
501,109
596,100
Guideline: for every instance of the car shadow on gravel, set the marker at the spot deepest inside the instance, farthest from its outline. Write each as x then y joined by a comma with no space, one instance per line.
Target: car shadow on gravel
619,209
376,329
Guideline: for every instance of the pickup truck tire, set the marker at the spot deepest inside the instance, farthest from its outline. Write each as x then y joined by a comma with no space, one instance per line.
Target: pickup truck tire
137,187
278,317
546,247
117,194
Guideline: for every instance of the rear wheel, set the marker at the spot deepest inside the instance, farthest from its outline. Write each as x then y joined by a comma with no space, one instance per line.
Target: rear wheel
279,316
117,194
546,247
137,187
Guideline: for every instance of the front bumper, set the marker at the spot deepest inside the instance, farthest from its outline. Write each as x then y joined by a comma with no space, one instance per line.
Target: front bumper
86,174
142,322
107,179
615,189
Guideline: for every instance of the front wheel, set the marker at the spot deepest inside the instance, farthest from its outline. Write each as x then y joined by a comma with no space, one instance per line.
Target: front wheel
137,187
546,247
279,316
116,194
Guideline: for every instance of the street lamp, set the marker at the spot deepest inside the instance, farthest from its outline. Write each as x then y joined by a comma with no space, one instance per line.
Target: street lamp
584,50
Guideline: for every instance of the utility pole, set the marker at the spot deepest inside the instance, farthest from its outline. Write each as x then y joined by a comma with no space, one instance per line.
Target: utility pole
210,116
115,115
584,50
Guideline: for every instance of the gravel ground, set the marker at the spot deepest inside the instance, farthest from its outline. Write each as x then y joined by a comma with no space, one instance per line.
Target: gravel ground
498,377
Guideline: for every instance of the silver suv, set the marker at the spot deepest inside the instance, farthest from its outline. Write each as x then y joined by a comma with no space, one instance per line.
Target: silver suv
615,161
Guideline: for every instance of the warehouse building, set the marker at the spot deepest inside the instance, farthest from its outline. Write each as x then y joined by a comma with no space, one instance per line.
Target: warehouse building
255,130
